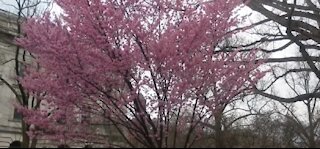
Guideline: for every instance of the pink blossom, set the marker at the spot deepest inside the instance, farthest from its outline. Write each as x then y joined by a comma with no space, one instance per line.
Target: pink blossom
100,57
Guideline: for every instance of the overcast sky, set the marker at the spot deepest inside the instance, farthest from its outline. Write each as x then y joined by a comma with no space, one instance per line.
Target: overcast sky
11,6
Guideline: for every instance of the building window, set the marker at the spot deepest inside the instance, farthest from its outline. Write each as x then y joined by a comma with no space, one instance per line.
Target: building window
1,82
15,144
17,115
21,69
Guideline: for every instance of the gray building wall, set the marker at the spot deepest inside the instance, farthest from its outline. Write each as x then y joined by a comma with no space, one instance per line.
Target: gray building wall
9,127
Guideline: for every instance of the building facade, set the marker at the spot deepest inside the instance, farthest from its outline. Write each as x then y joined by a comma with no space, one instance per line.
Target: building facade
10,120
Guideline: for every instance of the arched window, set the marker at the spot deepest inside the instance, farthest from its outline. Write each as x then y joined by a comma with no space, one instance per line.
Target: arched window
17,115
15,144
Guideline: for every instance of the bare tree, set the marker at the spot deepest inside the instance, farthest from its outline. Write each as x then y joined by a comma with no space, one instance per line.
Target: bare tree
307,125
288,32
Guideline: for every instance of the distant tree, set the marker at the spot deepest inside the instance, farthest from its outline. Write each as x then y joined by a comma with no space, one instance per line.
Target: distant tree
288,27
289,30
146,68
306,127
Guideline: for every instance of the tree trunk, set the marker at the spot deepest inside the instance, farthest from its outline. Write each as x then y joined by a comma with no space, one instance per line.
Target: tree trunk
33,143
219,137
25,137
312,143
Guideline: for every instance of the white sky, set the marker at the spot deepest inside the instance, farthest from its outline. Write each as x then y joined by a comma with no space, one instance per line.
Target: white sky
11,6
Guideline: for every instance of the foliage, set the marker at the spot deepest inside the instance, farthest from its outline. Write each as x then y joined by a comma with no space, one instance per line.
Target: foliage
146,69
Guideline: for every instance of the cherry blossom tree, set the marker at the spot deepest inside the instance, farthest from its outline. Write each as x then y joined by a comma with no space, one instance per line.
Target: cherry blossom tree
18,11
148,70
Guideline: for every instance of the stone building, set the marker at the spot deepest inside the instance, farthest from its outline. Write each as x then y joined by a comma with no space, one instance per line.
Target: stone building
9,119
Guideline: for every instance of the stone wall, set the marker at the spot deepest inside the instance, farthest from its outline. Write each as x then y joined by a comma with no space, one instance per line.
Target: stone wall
9,127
